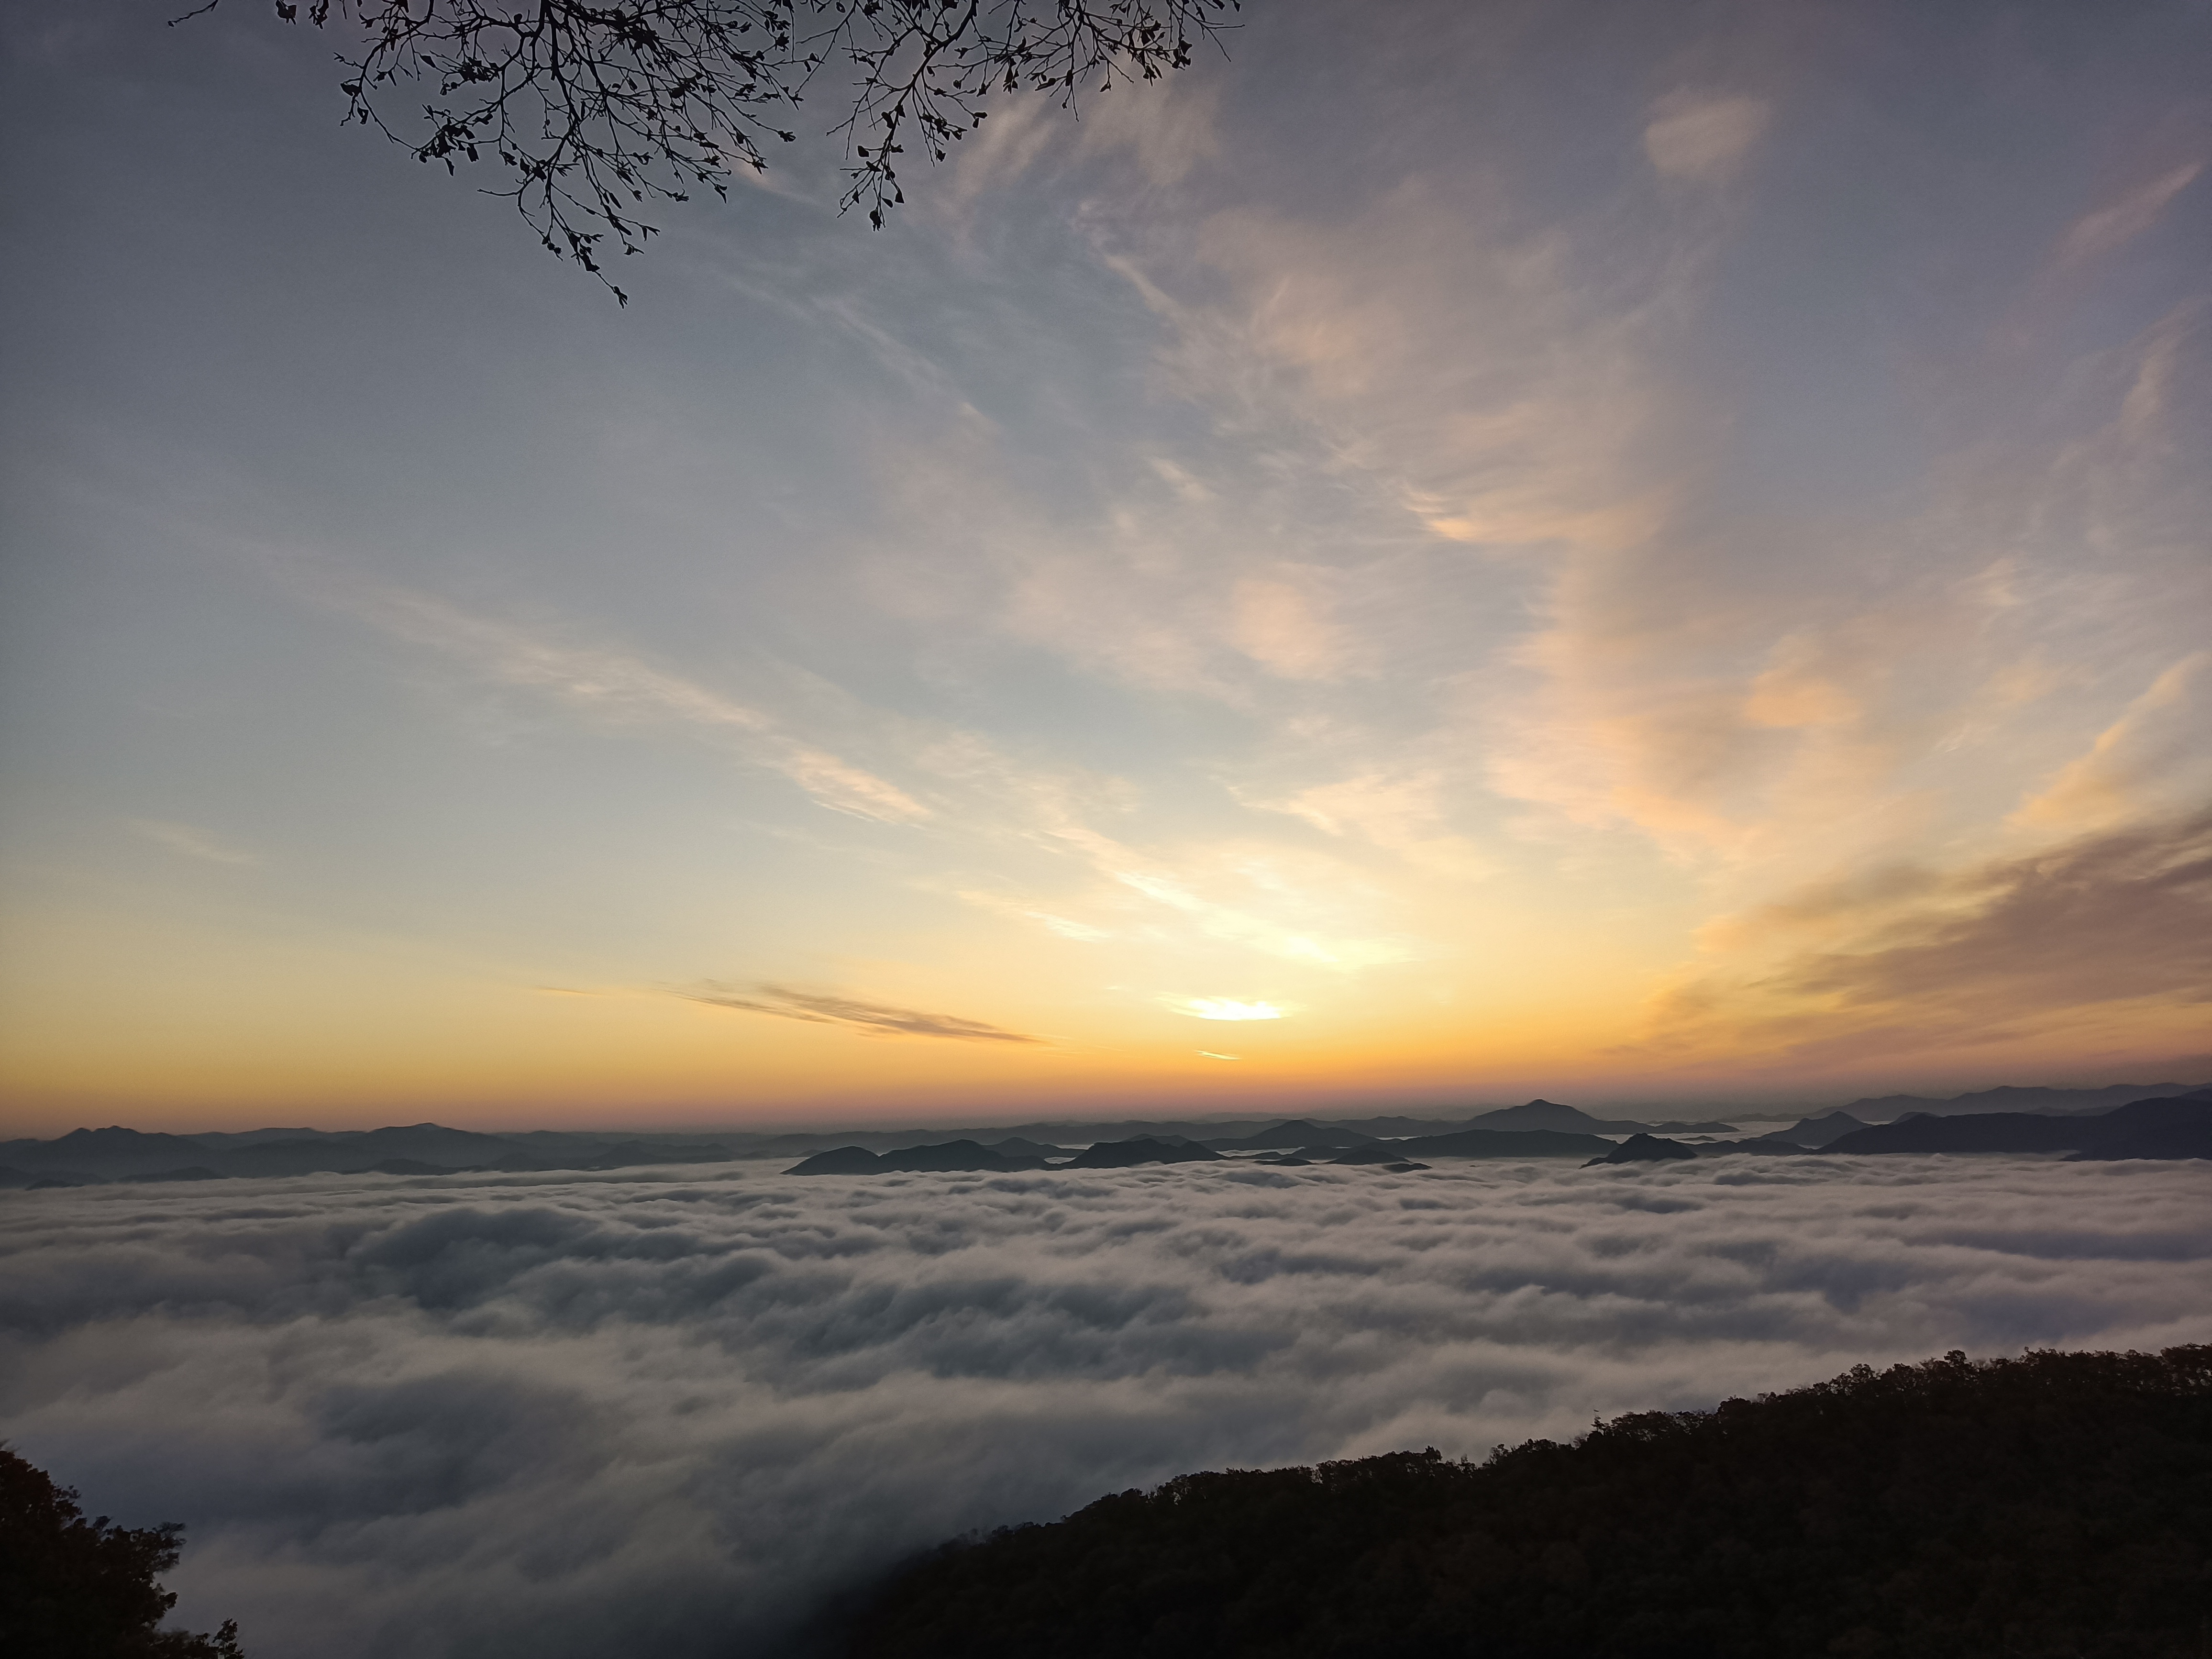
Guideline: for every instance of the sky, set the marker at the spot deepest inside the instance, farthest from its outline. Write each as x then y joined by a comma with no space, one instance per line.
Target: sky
1456,552
678,1412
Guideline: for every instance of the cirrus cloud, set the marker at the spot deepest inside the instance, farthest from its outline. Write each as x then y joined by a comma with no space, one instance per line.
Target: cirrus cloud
1224,1008
874,1018
1910,958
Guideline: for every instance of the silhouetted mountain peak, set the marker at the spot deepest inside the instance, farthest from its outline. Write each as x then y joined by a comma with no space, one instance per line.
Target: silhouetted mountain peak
1644,1149
1539,1115
838,1160
1816,1130
940,1157
1140,1149
1292,1133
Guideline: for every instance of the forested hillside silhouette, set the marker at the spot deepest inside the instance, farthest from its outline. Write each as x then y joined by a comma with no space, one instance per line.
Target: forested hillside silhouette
74,1588
2052,1504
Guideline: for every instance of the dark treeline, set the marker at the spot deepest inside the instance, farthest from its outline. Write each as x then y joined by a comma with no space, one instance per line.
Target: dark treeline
76,1588
2054,1504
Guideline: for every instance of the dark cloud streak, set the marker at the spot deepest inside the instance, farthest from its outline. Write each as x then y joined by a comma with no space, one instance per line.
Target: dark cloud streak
819,1009
1912,958
2122,915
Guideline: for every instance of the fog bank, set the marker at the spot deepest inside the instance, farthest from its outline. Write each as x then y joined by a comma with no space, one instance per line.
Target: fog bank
673,1411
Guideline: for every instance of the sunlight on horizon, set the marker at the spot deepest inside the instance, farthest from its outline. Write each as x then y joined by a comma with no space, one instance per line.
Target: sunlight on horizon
1666,558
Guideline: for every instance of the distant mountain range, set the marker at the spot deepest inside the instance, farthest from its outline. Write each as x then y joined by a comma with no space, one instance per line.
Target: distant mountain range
1885,1108
1501,1143
2179,1127
82,1157
1549,1115
87,1155
2168,1128
2176,1127
1536,1129
1815,1131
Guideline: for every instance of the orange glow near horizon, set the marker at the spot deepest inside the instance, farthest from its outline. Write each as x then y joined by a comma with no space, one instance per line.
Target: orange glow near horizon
1610,585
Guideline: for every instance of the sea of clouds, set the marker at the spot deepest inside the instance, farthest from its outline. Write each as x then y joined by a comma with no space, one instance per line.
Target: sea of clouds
680,1412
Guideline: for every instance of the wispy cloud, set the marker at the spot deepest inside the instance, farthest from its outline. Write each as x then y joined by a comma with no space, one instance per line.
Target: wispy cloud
1281,626
2105,230
1165,130
1402,812
609,684
1235,889
1217,566
193,841
1704,136
2137,762
876,1018
1223,1008
1279,902
1906,959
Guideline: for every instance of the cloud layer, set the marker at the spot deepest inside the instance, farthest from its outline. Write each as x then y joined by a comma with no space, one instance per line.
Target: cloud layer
673,1413
1910,958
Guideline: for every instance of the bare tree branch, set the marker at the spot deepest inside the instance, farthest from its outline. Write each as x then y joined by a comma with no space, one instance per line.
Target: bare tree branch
595,112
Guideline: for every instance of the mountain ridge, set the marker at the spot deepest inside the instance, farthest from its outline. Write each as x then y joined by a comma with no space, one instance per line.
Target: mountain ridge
2008,1097
88,1156
2163,1127
2044,1505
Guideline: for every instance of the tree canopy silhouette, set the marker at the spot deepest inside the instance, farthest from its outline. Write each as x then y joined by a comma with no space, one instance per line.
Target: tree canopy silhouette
2043,1507
595,110
74,1588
